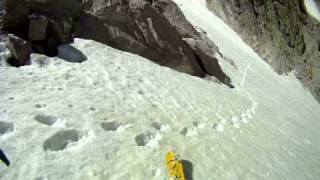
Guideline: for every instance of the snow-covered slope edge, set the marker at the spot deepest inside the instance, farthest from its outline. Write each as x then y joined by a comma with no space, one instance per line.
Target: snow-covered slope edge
312,9
123,113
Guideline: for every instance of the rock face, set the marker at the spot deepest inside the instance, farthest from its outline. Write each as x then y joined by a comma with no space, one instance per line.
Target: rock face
1,13
156,30
20,50
280,31
38,28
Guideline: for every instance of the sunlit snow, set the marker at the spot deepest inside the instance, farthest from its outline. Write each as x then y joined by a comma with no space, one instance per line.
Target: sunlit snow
312,9
116,115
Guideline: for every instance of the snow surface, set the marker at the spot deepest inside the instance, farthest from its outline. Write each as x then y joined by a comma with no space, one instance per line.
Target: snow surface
201,2
312,9
116,115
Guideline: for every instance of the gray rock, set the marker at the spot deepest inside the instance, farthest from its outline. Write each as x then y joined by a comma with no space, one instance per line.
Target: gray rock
60,30
20,50
16,15
16,21
205,56
2,13
38,27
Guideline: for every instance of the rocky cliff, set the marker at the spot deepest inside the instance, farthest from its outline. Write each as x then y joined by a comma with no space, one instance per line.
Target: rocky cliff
280,31
156,30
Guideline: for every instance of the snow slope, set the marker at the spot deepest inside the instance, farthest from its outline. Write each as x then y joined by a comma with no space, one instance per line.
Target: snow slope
116,115
312,9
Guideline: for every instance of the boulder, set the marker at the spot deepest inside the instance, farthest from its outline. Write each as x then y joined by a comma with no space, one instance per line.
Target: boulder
60,30
20,50
51,47
37,27
206,58
61,14
15,19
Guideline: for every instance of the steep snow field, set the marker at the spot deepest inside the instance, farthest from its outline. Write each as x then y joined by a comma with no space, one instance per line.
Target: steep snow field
312,9
116,115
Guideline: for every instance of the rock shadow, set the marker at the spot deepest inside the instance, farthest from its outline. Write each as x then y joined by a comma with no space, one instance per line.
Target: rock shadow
188,169
71,54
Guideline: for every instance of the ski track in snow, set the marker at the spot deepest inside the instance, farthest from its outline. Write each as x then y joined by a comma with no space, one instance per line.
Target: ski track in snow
244,75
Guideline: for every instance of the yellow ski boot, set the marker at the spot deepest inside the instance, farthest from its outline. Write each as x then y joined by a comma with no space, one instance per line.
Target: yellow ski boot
174,166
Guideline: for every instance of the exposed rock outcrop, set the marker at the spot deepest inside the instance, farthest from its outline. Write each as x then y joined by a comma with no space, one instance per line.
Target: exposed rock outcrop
20,50
1,14
280,31
16,19
46,23
38,28
156,30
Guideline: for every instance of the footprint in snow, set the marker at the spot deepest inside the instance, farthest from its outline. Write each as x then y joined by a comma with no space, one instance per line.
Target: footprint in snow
6,127
61,139
189,131
40,105
148,139
160,127
114,126
47,119
41,178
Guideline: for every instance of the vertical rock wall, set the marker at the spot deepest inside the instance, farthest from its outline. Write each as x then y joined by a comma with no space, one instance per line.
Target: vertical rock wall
281,31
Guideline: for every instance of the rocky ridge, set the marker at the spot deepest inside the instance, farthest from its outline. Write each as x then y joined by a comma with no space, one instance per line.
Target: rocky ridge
280,31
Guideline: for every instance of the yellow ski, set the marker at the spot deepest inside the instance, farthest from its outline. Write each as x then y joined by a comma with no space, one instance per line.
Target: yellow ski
174,166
